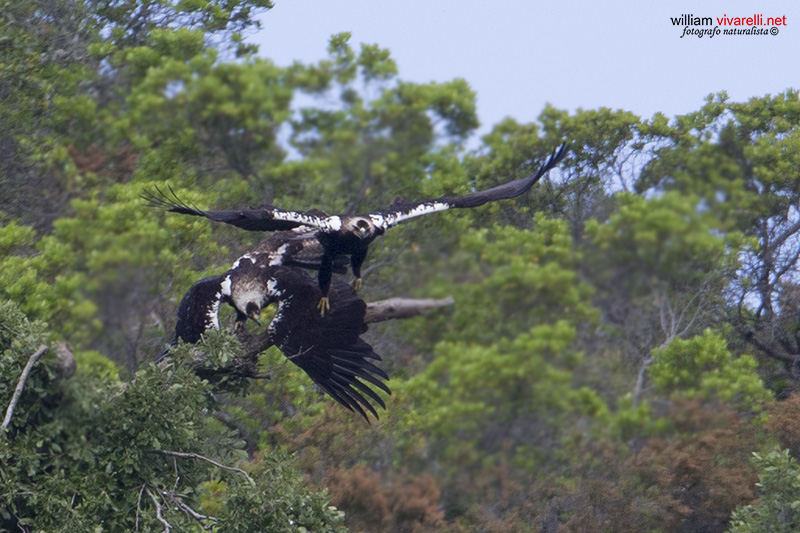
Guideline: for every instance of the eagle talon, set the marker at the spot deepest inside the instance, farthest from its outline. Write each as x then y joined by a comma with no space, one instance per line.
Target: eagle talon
323,305
357,284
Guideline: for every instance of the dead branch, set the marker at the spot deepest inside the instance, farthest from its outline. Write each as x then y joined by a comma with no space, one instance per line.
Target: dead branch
639,388
21,384
189,455
395,308
139,506
191,513
159,511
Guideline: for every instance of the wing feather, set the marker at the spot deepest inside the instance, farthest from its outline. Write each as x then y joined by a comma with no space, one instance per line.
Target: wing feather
264,218
400,211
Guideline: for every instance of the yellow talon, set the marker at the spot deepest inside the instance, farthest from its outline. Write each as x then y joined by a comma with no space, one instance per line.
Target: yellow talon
323,305
357,284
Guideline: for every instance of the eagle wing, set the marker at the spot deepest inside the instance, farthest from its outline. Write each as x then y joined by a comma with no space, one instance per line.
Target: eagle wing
198,312
328,348
298,247
401,211
264,218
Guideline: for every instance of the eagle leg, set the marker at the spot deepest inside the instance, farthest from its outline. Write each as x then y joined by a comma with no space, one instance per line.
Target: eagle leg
324,280
324,305
356,260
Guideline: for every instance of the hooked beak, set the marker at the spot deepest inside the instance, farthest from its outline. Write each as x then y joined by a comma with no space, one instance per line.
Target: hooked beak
254,312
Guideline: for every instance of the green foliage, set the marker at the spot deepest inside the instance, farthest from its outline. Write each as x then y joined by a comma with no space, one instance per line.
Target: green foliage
92,452
703,366
38,276
517,278
667,239
779,485
281,503
466,385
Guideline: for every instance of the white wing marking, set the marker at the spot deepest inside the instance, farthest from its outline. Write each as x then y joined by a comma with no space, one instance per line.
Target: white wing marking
245,256
378,220
392,219
272,288
212,315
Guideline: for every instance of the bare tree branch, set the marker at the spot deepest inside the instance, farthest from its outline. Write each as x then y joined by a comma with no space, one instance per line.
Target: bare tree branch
21,384
159,511
139,505
394,308
190,455
201,518
639,388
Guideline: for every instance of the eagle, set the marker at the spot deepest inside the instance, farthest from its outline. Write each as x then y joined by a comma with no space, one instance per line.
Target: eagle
328,348
349,235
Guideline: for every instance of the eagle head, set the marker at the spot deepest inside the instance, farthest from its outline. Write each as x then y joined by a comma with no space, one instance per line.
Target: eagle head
361,227
246,290
253,311
249,299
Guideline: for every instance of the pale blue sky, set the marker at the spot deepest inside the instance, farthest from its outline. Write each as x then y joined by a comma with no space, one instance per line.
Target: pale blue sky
519,55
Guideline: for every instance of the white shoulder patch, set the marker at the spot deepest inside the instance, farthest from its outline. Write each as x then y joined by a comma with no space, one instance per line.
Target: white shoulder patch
245,256
226,286
334,223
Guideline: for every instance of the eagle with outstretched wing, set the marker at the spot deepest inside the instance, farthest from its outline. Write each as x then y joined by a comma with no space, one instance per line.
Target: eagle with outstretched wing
350,234
328,348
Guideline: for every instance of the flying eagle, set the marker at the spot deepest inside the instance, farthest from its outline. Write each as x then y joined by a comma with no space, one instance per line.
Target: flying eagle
350,234
328,348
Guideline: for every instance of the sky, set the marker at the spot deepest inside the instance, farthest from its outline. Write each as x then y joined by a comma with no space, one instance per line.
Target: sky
520,55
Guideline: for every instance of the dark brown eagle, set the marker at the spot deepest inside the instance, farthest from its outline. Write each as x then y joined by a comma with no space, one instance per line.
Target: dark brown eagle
328,348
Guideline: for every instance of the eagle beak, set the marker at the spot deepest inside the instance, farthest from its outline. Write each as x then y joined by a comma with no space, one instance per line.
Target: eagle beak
254,312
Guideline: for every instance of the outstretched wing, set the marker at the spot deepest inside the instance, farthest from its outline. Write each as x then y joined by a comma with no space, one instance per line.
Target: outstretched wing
401,211
329,349
264,218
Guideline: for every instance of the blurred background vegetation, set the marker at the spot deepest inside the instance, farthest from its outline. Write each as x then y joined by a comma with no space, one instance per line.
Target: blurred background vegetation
623,353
